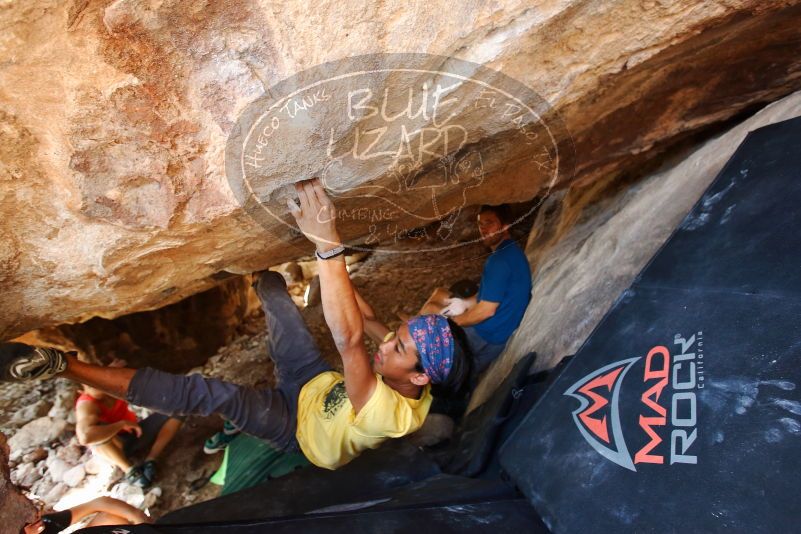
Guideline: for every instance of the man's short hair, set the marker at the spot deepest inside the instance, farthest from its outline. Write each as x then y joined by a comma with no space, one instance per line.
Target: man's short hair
502,211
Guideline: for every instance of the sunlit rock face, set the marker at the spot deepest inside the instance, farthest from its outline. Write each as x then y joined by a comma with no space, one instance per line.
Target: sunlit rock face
115,117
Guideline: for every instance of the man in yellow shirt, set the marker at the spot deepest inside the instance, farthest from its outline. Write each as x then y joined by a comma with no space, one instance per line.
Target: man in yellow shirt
332,417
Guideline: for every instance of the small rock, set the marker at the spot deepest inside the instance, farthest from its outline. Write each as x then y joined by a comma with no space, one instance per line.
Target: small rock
30,412
57,468
197,474
294,271
42,487
151,498
133,495
38,432
22,471
70,453
94,465
55,494
74,476
30,479
36,455
64,402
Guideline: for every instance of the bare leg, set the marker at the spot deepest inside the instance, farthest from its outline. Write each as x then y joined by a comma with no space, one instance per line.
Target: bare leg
112,451
105,518
165,435
110,380
436,302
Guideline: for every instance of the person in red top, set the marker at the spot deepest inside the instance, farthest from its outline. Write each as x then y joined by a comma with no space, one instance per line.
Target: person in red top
108,426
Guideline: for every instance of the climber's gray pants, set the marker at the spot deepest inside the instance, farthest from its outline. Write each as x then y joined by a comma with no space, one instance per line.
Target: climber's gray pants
267,413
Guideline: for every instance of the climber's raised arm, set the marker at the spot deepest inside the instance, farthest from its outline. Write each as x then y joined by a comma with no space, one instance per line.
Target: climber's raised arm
316,218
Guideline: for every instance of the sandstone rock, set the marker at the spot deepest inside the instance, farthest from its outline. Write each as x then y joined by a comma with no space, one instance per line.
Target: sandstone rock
15,509
71,452
64,402
586,256
42,487
74,476
30,412
56,492
36,455
151,497
94,465
21,472
297,290
293,270
128,493
38,432
30,479
119,200
57,468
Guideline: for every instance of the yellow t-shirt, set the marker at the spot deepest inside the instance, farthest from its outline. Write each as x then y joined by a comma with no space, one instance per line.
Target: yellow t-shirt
330,434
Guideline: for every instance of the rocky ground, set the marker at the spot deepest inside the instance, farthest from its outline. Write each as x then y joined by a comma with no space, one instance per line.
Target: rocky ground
50,465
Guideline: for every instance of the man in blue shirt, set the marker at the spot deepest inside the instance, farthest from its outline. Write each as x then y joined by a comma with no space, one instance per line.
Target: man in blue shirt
490,317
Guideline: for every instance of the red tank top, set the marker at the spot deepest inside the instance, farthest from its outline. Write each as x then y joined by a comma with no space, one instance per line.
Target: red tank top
118,412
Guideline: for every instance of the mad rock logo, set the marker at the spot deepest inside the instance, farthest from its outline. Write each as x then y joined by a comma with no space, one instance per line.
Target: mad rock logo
660,413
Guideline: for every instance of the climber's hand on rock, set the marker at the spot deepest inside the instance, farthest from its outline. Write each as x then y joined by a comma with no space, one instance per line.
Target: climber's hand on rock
315,214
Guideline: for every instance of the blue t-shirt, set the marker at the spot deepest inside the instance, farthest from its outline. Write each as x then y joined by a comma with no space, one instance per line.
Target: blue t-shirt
507,280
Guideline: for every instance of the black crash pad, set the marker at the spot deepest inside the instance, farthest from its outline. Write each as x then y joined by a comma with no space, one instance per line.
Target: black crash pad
395,464
513,515
704,434
476,438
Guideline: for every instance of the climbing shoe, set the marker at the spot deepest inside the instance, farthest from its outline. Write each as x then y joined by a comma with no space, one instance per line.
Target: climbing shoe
149,470
229,429
136,477
218,442
20,362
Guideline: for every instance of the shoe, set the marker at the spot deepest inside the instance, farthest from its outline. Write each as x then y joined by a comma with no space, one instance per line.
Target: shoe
20,363
149,470
136,477
229,429
218,442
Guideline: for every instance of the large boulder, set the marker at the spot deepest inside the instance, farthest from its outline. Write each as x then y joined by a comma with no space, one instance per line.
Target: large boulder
115,117
15,509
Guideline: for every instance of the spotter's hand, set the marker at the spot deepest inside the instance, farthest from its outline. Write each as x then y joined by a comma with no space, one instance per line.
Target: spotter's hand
128,426
454,306
315,214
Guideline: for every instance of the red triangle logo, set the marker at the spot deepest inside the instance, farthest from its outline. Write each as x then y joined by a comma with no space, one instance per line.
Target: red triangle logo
604,383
